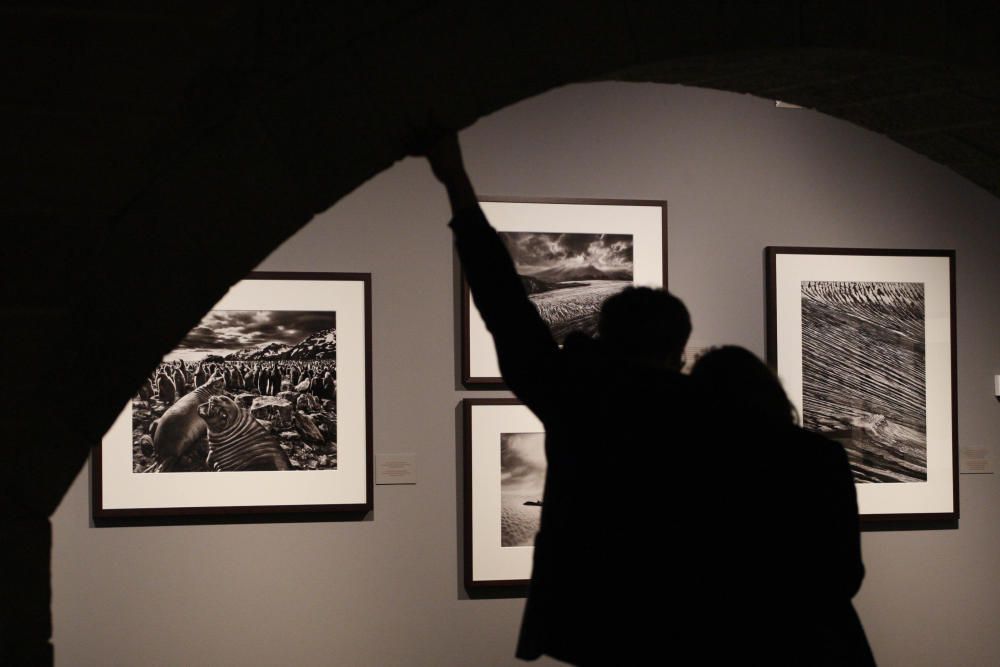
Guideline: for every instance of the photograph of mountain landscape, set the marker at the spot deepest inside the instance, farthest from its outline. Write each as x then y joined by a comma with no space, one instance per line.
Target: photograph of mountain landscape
244,390
569,276
863,374
522,482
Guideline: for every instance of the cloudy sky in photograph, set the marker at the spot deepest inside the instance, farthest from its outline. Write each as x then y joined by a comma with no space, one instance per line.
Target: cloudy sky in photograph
522,463
534,252
224,331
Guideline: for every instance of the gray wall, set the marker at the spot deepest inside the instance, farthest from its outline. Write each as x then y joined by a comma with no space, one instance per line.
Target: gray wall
739,174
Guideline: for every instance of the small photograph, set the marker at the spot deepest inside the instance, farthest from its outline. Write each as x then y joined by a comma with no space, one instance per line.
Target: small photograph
863,374
522,483
569,276
244,390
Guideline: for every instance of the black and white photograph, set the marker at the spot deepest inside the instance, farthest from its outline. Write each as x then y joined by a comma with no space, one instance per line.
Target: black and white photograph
504,464
269,393
571,255
863,342
569,276
863,377
244,390
522,483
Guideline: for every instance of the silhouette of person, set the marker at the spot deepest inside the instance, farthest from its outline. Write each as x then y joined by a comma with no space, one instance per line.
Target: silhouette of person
620,422
794,585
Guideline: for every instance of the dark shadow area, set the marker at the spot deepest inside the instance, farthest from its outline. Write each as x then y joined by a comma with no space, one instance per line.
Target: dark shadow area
876,525
458,322
497,592
151,518
461,544
795,586
158,154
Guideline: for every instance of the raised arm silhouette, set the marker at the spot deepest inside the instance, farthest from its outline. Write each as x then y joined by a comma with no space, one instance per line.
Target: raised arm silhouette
622,553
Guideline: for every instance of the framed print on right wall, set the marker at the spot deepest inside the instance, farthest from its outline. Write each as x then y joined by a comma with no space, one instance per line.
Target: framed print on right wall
864,343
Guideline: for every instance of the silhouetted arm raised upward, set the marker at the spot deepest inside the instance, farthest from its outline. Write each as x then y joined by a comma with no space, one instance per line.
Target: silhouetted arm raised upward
445,158
526,350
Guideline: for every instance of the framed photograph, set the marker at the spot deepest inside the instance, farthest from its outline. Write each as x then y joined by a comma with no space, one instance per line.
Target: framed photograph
263,408
572,254
864,342
504,481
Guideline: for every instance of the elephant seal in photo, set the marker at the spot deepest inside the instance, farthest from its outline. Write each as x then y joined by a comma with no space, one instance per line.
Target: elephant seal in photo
180,426
236,441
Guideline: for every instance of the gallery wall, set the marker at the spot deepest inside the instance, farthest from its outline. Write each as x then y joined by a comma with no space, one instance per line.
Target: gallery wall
738,175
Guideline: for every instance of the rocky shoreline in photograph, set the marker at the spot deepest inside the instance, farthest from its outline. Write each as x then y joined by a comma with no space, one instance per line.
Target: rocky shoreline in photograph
305,426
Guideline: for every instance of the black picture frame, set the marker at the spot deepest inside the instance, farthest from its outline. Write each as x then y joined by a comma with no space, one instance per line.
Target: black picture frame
472,378
350,294
872,280
487,564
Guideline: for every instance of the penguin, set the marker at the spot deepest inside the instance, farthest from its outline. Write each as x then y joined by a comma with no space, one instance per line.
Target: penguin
165,389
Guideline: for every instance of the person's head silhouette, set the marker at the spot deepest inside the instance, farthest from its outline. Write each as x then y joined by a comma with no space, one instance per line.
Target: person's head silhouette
648,324
735,377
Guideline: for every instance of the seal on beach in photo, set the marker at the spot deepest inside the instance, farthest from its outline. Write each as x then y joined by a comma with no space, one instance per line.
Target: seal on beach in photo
180,426
237,441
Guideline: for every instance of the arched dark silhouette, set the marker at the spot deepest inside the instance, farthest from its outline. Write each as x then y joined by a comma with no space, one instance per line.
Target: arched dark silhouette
156,155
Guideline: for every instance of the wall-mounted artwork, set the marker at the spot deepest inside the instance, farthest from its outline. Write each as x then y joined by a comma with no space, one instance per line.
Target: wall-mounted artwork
571,254
264,407
864,342
504,456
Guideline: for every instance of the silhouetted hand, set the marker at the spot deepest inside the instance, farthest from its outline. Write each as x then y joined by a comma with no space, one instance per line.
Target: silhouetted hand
445,157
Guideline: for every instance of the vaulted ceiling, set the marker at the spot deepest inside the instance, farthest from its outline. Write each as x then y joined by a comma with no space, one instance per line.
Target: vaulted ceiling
144,140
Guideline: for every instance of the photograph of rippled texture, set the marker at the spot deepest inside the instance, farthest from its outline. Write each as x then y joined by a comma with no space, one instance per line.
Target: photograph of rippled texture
522,482
863,374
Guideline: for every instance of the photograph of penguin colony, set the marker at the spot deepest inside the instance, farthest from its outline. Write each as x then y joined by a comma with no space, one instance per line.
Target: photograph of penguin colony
244,390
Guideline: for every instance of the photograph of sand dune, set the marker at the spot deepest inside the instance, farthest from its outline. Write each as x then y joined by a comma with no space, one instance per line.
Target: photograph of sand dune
863,377
864,342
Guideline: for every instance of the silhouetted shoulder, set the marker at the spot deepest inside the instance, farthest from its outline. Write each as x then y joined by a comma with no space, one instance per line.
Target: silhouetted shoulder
819,441
826,452
623,385
578,342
